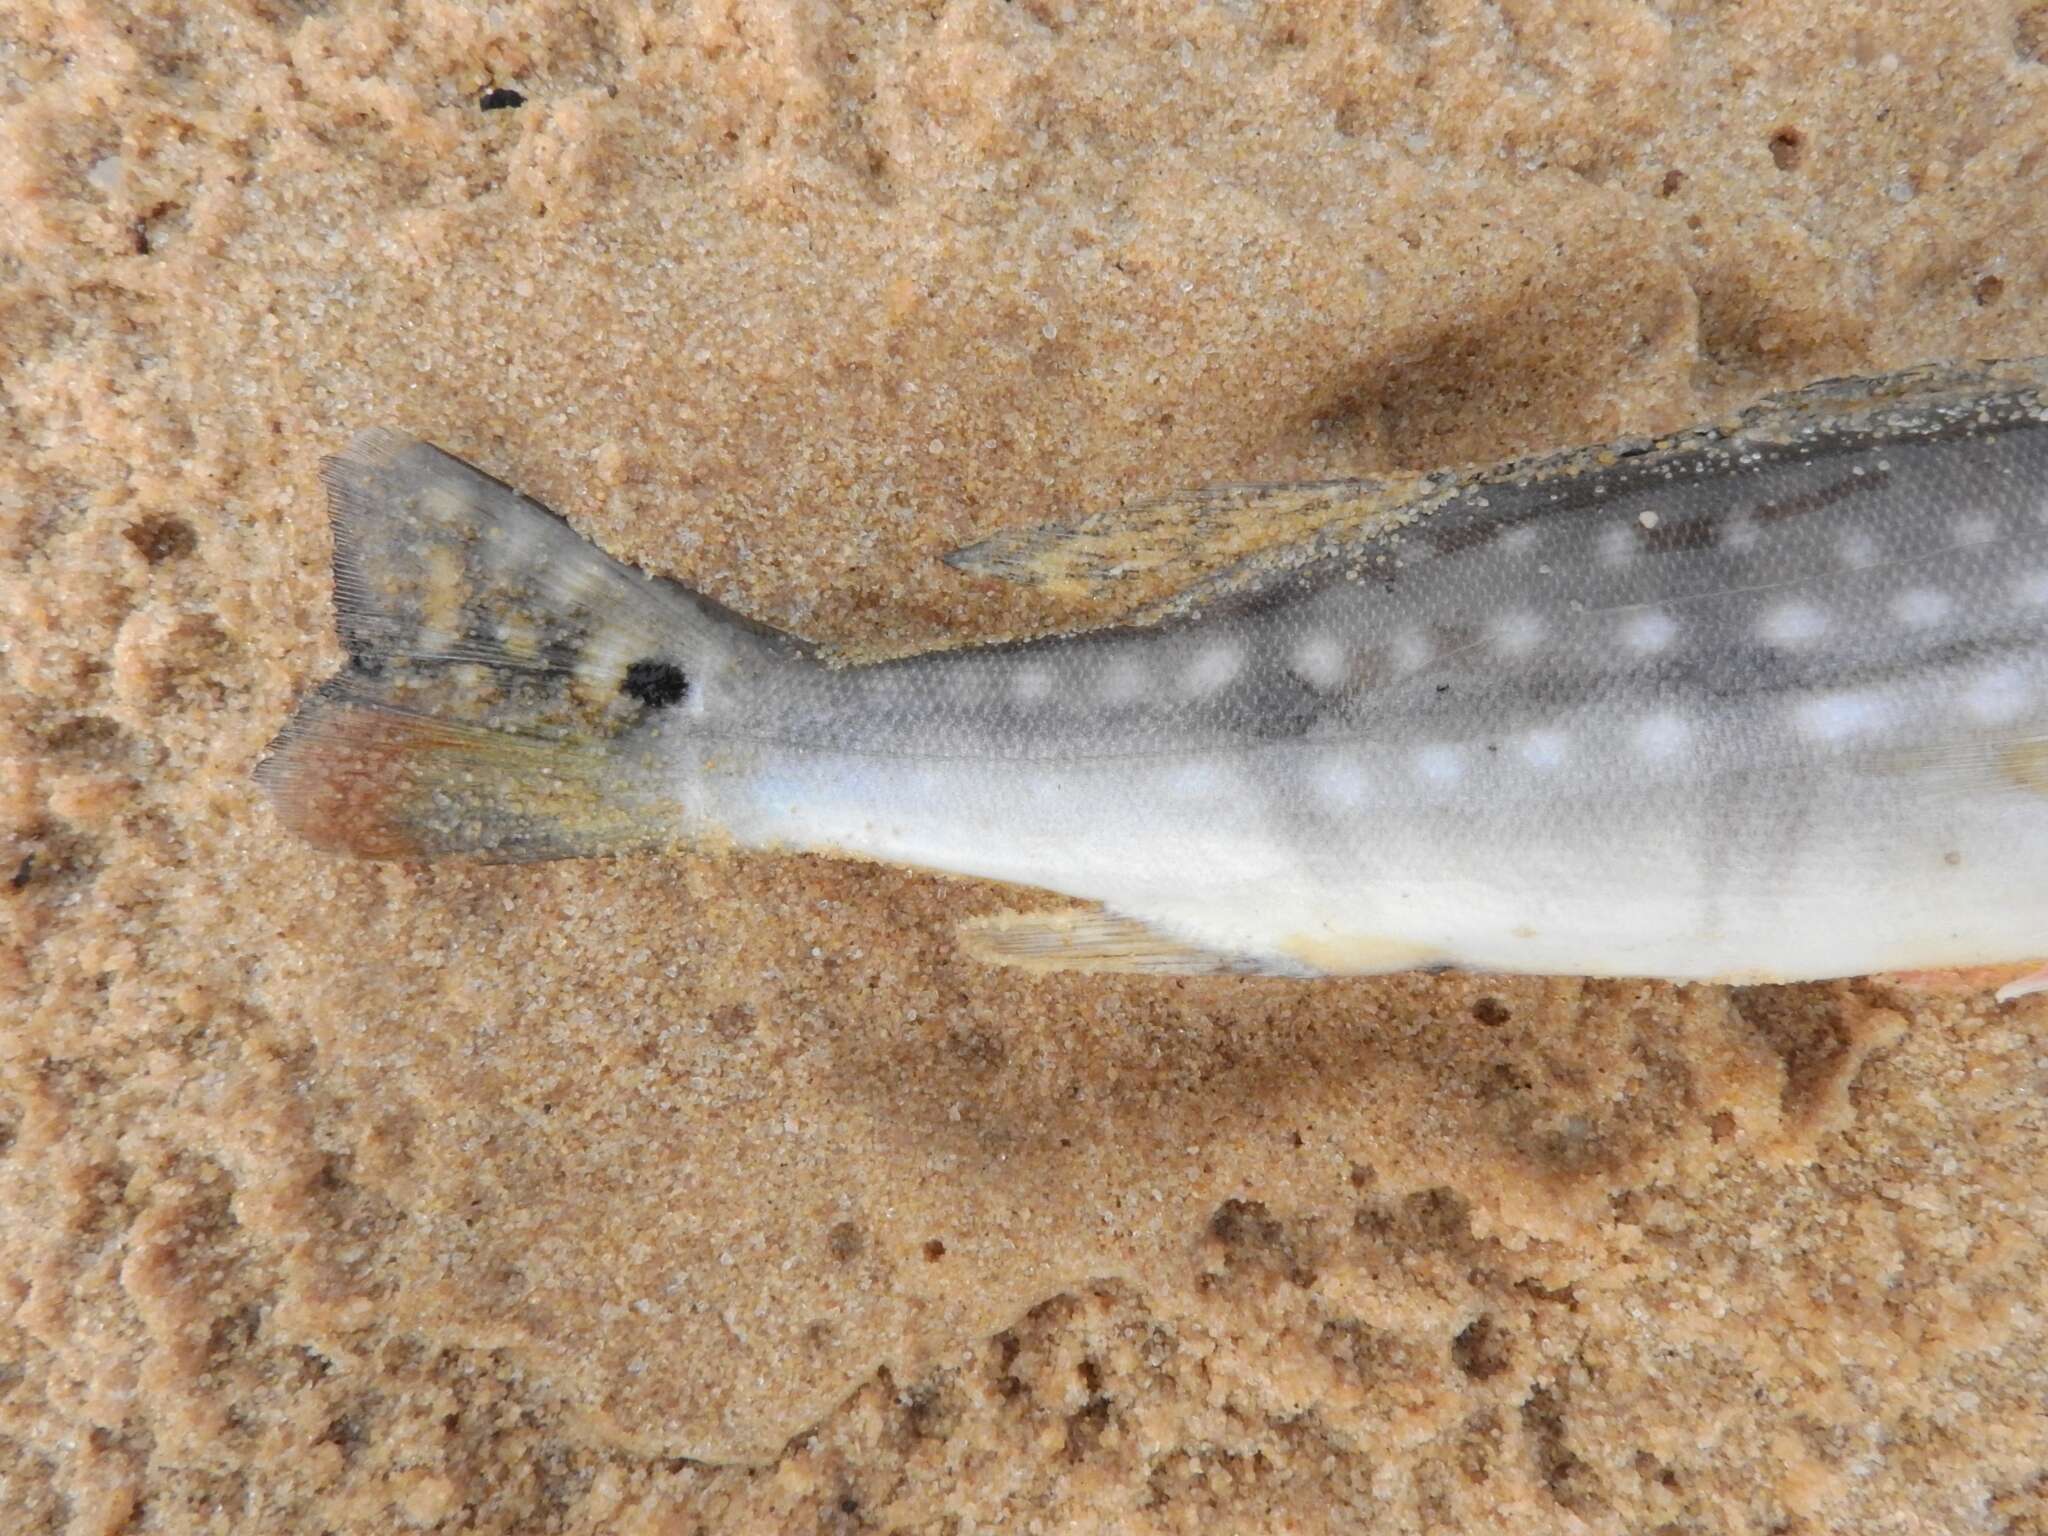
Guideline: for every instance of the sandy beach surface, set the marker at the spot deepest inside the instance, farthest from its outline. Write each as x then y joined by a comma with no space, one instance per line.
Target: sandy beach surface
700,1193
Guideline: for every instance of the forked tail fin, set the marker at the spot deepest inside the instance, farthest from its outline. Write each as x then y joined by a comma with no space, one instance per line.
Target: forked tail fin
510,687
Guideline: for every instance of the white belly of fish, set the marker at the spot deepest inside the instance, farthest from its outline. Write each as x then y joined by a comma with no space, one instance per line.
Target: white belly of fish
1627,843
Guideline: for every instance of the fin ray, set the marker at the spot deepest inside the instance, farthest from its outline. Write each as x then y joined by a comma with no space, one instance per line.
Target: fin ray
1085,938
354,773
1992,761
1166,542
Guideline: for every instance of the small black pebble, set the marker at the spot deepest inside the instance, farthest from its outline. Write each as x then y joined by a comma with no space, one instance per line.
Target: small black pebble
23,872
499,97
657,684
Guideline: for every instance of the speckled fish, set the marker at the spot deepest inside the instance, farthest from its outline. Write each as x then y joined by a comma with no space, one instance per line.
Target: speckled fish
1762,700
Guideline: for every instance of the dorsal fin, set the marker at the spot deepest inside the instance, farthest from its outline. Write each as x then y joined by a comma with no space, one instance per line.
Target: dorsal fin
1162,546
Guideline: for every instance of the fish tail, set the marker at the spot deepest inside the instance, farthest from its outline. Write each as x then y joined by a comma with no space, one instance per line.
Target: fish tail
512,692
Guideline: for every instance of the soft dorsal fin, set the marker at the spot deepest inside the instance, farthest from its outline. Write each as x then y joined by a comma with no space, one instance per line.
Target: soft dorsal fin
1162,546
1086,938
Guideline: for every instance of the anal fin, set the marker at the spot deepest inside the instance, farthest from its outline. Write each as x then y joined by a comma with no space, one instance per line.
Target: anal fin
1998,761
2006,983
2036,980
1090,939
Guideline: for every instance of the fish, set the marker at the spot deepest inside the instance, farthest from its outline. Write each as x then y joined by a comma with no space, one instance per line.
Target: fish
1763,700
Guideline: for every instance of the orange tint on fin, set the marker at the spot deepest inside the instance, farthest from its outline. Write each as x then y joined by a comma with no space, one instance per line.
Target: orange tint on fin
341,782
358,776
2005,982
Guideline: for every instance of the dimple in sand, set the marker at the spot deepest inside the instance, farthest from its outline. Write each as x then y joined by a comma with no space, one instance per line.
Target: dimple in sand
1764,701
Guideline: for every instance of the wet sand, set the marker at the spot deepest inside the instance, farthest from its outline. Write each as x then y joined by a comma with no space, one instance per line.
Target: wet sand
701,1193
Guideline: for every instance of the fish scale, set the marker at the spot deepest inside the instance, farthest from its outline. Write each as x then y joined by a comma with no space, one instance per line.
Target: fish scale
1763,700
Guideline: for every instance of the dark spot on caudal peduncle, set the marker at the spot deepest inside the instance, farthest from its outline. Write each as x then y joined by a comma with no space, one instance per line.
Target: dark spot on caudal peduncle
656,684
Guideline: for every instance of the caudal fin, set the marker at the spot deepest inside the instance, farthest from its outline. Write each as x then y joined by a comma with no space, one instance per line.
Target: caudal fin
509,687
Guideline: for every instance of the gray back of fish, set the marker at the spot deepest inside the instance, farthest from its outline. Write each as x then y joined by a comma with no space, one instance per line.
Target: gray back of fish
1810,554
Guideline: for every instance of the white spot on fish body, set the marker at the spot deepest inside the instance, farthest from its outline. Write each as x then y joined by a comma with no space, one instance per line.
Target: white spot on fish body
1543,749
1649,520
1518,633
1322,661
1195,781
1213,667
1974,528
971,680
1123,681
1032,684
1920,607
1412,651
1997,697
1649,631
1340,780
1793,623
1838,716
1440,764
1859,550
1660,736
